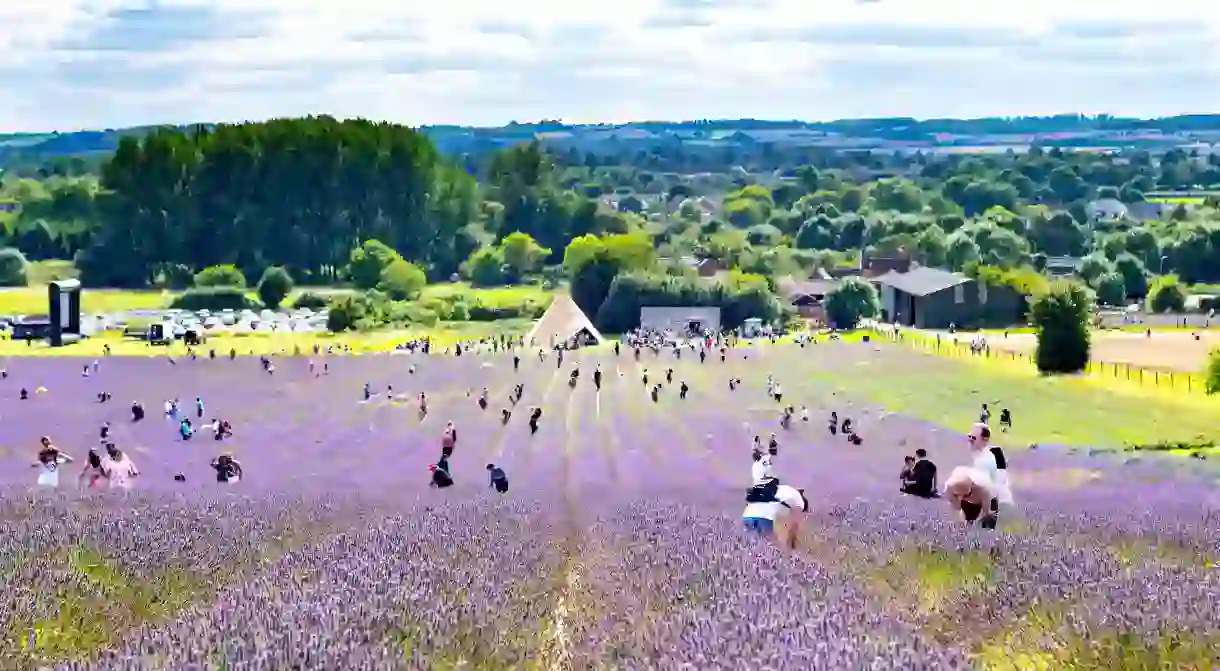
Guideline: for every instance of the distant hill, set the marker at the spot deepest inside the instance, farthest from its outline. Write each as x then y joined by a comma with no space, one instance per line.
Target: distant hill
898,133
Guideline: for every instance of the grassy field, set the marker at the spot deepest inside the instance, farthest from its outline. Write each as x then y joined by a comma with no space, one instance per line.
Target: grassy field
32,300
1067,410
444,334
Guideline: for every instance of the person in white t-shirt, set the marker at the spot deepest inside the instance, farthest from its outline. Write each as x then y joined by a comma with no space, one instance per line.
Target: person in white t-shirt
49,461
789,502
763,468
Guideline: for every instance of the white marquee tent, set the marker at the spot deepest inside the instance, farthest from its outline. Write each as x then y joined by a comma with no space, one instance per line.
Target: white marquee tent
561,322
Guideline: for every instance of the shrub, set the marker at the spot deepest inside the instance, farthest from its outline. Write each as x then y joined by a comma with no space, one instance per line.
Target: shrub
459,312
368,261
344,313
311,300
14,269
1061,316
485,267
176,276
214,298
1167,295
854,299
402,280
1110,288
1212,373
274,286
220,276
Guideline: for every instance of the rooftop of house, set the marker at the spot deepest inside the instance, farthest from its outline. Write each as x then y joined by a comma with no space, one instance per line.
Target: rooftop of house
922,281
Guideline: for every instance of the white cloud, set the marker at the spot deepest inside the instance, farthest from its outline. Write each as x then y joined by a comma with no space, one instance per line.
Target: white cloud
106,63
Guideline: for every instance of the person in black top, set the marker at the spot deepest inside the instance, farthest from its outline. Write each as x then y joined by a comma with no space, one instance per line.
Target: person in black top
24,395
597,377
1005,419
499,479
137,411
227,469
682,390
516,362
535,415
441,478
921,479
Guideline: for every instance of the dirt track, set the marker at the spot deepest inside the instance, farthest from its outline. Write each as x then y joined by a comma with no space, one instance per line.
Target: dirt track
1173,351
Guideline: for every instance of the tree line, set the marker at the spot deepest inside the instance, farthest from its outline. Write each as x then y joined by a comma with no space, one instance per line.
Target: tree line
302,194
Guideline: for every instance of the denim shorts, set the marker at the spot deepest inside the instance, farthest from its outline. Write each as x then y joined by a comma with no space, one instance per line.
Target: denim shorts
759,525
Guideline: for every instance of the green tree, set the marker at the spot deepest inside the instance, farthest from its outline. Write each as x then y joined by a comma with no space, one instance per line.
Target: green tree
852,300
368,261
1061,317
485,267
220,276
1110,289
1167,295
274,286
13,268
402,280
1211,374
522,254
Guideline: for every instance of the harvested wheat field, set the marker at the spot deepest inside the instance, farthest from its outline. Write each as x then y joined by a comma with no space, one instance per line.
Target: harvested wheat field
1176,351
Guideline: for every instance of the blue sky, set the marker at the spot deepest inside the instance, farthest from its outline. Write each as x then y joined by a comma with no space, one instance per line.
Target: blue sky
71,64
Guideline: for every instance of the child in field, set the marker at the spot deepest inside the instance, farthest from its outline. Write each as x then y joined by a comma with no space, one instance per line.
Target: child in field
498,478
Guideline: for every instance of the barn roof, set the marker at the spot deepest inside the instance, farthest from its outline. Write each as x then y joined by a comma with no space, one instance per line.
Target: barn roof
922,281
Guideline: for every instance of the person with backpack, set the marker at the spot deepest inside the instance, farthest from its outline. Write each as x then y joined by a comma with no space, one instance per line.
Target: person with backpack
768,501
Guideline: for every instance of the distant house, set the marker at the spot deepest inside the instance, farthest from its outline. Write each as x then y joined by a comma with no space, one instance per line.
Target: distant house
709,267
1063,266
935,299
808,296
876,266
1106,209
1145,211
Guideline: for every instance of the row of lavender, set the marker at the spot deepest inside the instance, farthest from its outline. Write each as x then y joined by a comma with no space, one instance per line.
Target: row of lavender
617,546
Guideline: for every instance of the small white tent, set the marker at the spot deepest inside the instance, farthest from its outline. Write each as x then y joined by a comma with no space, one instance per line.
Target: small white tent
561,322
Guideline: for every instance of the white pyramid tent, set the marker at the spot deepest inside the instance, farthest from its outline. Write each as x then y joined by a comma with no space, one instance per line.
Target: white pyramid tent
562,321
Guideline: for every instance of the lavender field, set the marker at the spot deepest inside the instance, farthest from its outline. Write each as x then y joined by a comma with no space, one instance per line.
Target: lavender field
618,546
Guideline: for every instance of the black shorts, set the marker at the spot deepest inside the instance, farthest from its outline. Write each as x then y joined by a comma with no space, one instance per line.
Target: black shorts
972,511
446,452
501,486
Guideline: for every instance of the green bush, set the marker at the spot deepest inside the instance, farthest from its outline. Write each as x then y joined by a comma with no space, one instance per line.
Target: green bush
1167,295
214,298
311,300
368,261
1061,316
402,280
1212,373
14,269
220,276
176,276
459,312
852,300
274,287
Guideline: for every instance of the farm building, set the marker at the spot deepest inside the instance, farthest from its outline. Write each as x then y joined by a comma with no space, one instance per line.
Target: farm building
680,319
807,295
935,299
